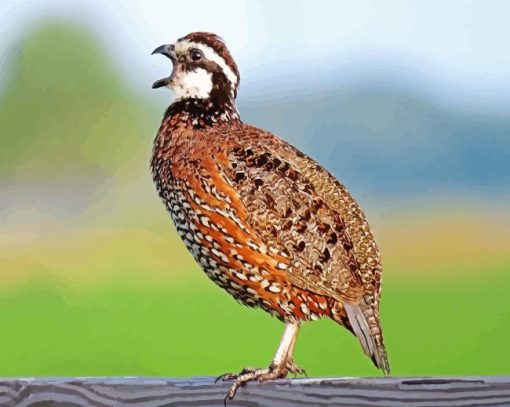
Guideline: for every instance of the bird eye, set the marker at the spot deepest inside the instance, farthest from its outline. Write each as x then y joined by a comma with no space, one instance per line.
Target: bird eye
196,54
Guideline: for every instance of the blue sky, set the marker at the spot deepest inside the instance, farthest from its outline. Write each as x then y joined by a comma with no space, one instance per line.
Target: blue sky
457,50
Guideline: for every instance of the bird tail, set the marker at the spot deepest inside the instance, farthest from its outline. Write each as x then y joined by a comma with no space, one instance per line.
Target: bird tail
366,327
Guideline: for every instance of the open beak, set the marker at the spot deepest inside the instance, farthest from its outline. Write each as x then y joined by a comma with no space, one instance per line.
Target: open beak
169,52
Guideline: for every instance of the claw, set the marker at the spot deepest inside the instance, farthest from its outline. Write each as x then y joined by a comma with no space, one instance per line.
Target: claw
225,377
295,369
233,376
261,375
248,374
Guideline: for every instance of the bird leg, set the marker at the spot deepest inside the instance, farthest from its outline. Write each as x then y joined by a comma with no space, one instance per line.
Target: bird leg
281,365
291,366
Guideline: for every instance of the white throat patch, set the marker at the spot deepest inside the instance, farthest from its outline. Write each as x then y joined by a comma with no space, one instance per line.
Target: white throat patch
193,84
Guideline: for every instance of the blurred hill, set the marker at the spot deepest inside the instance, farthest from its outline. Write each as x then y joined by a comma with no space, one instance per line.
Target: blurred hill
391,140
65,111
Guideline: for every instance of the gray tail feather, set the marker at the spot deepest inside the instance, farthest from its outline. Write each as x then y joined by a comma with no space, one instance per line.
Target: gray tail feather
373,346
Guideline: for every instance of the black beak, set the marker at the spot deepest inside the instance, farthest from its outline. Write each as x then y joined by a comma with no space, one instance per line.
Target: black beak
169,52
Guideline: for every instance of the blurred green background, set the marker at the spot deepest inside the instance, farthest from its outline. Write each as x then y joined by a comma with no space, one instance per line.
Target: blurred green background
408,109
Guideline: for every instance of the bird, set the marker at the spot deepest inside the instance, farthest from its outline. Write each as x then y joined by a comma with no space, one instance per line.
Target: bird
265,222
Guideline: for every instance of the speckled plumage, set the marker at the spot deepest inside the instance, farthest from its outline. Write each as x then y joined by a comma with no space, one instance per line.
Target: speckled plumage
264,221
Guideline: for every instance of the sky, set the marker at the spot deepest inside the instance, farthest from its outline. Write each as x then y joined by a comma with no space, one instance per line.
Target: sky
457,50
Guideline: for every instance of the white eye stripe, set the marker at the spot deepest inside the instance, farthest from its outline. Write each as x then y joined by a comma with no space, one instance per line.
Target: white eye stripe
184,46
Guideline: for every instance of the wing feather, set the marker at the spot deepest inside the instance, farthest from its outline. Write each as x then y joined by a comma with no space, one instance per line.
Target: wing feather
287,206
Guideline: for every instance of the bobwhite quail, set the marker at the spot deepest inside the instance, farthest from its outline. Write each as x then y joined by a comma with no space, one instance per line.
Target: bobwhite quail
264,221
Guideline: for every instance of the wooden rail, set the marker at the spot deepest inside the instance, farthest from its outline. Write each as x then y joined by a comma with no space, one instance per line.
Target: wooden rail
201,391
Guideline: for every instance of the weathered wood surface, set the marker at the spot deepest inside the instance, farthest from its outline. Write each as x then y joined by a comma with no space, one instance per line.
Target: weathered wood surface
359,392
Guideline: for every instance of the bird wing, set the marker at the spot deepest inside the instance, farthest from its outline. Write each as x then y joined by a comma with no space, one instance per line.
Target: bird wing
299,209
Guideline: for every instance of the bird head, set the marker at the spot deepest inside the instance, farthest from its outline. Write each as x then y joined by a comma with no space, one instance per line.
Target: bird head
202,69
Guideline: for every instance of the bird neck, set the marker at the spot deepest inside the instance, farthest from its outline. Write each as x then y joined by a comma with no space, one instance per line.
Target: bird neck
203,112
